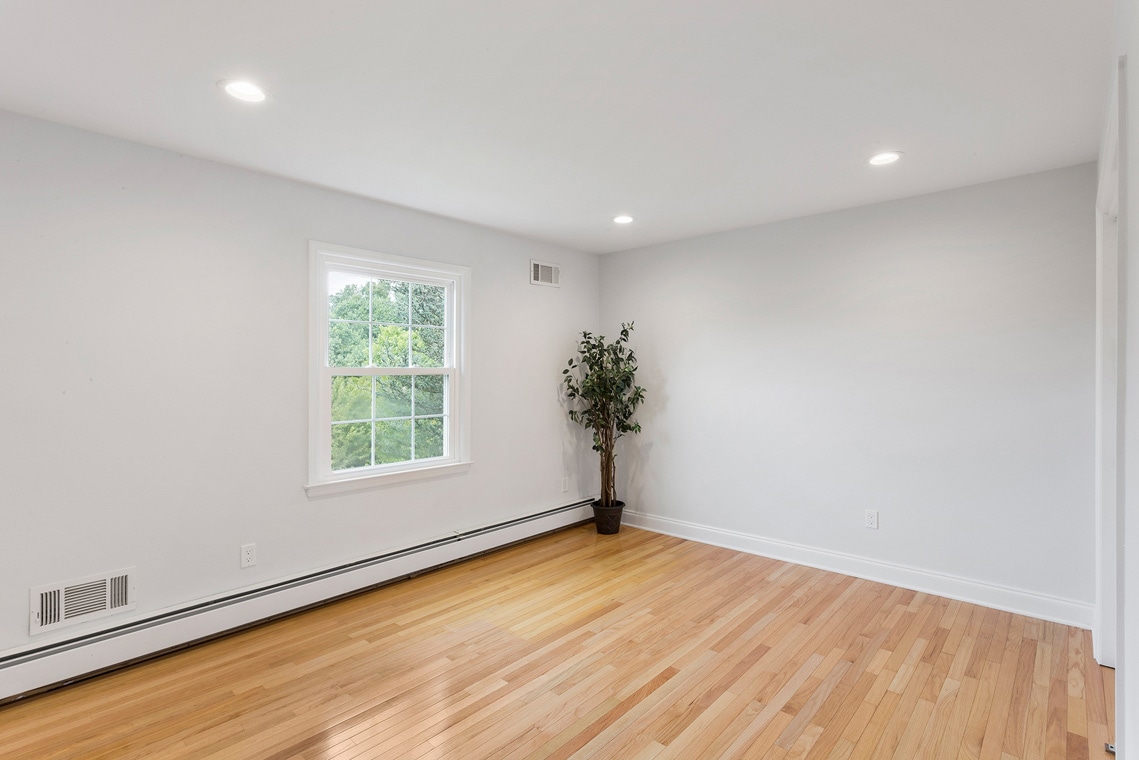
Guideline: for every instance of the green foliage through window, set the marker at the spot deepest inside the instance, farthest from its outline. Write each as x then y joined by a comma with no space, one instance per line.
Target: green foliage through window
380,418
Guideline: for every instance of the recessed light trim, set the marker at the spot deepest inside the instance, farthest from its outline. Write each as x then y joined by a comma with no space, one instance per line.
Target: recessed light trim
884,158
242,89
622,219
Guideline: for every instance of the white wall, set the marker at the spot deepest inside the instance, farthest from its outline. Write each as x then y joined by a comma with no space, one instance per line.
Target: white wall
931,358
153,324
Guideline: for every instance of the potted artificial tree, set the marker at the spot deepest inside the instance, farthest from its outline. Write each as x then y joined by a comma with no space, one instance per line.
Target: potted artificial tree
600,385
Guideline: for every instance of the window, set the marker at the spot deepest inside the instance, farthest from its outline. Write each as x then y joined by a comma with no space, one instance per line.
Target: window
389,396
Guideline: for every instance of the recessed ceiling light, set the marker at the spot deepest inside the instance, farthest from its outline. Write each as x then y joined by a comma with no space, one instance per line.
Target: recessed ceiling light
242,90
623,219
881,159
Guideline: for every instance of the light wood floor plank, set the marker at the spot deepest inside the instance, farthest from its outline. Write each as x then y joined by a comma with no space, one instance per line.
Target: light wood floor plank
630,647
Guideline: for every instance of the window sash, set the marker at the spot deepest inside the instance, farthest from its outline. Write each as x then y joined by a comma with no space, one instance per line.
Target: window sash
415,413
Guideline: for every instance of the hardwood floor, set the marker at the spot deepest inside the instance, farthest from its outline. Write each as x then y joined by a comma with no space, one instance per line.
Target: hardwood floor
576,645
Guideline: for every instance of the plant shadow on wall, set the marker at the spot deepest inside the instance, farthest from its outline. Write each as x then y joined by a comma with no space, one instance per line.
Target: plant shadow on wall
635,454
603,396
579,463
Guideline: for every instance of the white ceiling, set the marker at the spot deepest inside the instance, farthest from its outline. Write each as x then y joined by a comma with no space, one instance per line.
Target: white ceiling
546,118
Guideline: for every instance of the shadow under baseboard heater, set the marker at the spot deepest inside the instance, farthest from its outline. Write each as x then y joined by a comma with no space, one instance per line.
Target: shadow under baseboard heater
274,600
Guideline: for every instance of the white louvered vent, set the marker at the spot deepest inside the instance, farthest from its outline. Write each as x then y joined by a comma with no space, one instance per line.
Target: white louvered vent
543,273
80,600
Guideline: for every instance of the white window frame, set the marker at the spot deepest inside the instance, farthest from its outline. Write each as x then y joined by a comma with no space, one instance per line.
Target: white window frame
329,257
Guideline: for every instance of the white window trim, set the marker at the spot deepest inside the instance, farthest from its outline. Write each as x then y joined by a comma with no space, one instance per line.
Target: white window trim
323,257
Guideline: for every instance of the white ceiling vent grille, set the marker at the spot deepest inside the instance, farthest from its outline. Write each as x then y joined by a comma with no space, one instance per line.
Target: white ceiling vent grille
543,273
80,600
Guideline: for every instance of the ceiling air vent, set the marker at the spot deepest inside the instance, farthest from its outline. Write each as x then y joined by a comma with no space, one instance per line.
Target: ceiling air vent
80,600
542,273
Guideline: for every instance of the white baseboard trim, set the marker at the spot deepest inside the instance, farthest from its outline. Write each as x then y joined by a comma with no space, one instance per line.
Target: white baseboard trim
34,668
1030,603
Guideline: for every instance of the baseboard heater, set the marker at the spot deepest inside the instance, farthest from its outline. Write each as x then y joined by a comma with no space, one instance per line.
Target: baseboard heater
36,669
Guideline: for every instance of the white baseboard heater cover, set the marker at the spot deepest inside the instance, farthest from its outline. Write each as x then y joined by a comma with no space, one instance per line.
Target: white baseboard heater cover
33,668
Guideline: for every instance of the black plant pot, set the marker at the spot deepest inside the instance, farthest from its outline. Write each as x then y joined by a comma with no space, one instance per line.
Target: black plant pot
608,519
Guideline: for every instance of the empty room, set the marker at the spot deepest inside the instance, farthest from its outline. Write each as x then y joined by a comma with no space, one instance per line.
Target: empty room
625,379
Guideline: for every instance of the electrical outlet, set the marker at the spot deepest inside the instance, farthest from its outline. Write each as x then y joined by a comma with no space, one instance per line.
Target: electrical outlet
872,519
565,483
248,555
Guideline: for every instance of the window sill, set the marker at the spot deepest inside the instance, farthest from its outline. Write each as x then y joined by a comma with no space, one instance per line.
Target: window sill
368,482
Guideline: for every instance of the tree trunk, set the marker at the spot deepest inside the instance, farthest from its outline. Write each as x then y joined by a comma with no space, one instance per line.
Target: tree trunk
608,467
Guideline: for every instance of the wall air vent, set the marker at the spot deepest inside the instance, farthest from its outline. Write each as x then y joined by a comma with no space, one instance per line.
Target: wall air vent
77,601
543,273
